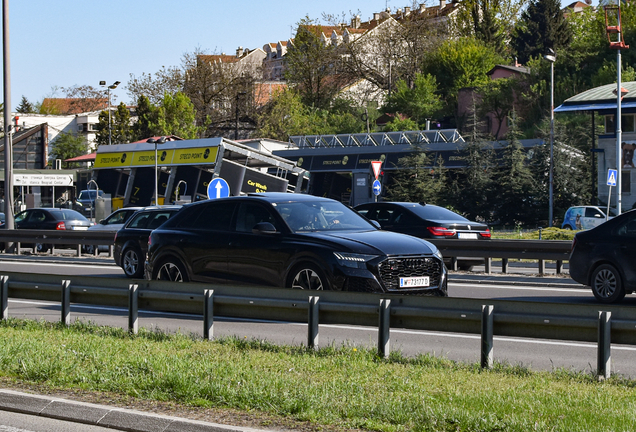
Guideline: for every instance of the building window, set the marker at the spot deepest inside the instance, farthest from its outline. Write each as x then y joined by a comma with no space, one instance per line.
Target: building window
92,126
626,181
627,123
80,127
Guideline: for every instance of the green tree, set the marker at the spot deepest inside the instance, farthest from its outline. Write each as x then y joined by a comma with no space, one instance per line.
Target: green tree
120,130
176,116
309,66
398,124
498,99
25,106
67,146
146,117
514,198
418,179
541,26
418,102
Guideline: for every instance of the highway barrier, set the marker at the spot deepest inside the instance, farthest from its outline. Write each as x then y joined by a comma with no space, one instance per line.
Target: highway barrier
540,250
604,324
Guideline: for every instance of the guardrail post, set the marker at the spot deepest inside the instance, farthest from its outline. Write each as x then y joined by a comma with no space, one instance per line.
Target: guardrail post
312,322
133,308
504,265
66,302
4,297
384,328
559,266
208,314
487,336
79,250
604,344
453,264
488,265
541,266
17,248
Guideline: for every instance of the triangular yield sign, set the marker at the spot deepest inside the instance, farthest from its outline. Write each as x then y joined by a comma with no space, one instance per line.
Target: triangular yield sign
376,168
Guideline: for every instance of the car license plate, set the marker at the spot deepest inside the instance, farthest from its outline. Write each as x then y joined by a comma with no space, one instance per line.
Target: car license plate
414,282
468,236
80,228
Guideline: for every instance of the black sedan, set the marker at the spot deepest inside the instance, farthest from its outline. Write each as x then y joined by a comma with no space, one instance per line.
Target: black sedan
603,258
294,241
50,219
426,221
131,241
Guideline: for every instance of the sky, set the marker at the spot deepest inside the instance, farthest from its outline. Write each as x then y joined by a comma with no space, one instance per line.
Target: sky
63,43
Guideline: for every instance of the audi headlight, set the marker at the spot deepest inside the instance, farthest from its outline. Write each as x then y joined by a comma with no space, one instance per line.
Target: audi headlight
438,254
353,260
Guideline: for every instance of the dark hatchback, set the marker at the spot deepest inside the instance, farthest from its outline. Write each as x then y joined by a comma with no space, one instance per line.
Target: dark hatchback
603,258
426,221
131,241
294,241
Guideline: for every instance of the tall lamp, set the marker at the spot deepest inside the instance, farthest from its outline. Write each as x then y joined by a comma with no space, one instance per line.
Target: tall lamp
155,142
108,89
551,57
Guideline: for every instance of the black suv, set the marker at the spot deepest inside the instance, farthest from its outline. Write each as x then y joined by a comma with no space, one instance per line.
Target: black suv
131,242
291,240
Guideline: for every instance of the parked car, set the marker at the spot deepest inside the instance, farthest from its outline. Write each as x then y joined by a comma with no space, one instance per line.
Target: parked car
49,219
426,221
294,241
603,258
131,241
86,200
113,223
585,217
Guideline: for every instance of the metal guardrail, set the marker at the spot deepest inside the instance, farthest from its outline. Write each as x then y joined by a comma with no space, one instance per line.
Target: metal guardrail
541,250
55,238
540,320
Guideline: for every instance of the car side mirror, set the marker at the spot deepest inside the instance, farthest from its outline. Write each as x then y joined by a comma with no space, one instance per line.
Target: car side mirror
264,228
376,224
101,222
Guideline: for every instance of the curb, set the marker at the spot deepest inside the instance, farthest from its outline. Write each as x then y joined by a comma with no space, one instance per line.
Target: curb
105,416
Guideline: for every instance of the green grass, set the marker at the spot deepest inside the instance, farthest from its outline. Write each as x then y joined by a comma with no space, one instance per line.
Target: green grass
336,386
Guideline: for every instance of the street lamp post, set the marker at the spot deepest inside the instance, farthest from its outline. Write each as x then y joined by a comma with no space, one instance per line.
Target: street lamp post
157,141
551,57
108,89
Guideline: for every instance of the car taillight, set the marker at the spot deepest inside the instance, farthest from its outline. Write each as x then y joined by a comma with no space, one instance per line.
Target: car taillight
573,244
486,234
149,242
115,239
441,231
60,226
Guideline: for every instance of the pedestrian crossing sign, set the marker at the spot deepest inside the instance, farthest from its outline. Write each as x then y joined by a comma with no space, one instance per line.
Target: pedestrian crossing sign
611,177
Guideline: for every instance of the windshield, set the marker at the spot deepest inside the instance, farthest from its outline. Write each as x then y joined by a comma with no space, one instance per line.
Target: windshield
321,216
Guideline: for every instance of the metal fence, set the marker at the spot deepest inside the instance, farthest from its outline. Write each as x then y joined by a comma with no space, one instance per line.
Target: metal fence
540,320
540,250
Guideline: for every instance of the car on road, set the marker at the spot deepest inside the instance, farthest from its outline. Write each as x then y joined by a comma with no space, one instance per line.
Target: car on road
113,223
584,217
86,201
426,221
603,258
49,219
131,241
291,241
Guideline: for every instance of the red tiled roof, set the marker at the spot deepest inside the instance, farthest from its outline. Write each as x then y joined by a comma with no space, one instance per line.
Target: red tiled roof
83,158
66,106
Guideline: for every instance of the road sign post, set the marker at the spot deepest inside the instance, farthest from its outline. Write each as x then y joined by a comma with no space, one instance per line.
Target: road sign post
376,187
612,175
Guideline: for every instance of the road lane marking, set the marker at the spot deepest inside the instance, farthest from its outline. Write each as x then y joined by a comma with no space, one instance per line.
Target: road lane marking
520,288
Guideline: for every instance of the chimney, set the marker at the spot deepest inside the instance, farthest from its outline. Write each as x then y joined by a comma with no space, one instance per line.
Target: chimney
376,16
407,10
239,51
442,4
355,22
422,7
246,51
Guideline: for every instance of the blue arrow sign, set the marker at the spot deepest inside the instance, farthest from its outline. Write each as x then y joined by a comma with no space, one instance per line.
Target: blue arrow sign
611,177
377,187
218,188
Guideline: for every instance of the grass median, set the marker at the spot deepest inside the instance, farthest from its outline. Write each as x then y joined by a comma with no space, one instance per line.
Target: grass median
341,387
